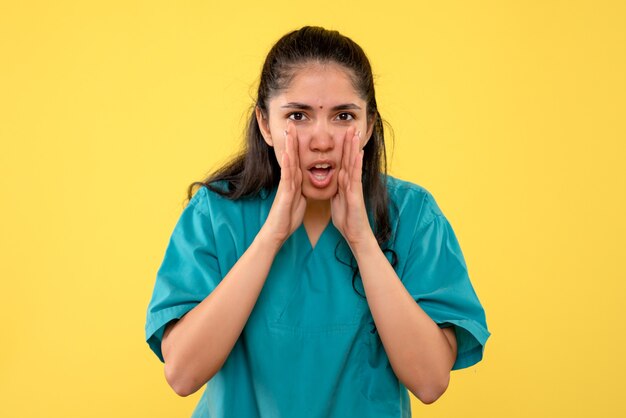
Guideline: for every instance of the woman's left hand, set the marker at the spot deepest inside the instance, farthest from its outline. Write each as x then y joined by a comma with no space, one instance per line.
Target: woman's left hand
348,210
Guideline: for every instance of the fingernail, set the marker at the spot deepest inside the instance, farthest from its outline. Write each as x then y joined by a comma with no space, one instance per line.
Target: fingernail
358,134
285,132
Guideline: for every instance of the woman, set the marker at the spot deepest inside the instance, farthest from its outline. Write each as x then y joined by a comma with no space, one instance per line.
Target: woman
301,280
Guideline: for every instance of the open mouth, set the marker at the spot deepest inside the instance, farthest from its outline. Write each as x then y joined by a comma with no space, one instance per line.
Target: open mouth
320,171
321,174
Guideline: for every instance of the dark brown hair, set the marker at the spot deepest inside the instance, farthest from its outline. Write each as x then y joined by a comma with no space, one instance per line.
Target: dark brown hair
256,169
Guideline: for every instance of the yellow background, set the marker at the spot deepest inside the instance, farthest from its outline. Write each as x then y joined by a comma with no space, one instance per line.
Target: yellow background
511,113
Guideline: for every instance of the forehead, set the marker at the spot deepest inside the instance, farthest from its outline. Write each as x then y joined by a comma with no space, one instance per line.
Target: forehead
319,84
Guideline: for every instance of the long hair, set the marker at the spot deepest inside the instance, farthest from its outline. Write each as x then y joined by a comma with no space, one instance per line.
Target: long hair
256,169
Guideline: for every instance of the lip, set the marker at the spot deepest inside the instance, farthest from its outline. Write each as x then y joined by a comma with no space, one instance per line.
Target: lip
329,162
323,183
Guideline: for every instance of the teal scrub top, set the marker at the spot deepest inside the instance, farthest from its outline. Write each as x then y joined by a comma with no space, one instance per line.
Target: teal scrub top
310,347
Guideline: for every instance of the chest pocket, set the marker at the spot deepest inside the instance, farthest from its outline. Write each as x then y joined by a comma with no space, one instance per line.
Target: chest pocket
311,291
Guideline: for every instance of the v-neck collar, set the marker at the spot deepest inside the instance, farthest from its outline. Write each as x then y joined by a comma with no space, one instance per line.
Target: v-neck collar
329,229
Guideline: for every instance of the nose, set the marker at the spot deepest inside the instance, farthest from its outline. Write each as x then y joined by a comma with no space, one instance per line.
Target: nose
321,137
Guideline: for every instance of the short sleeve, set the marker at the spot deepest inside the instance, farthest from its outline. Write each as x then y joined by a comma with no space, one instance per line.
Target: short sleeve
437,278
188,273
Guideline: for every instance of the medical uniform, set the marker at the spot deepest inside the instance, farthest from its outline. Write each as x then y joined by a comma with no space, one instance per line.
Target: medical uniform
310,347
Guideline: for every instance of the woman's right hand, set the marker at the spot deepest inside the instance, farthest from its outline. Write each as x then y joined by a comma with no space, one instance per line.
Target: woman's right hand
188,364
287,211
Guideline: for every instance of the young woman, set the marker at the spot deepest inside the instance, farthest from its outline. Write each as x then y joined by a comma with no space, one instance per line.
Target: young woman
303,281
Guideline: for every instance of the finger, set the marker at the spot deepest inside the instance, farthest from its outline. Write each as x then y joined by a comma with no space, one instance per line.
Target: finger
341,181
356,142
287,167
359,167
285,174
298,180
345,163
288,139
284,185
295,154
295,146
351,155
292,133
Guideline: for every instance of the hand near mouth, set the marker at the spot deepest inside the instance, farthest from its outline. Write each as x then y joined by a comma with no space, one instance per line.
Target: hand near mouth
287,211
348,209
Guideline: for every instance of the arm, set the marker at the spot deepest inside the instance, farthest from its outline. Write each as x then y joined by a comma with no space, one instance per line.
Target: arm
421,354
196,346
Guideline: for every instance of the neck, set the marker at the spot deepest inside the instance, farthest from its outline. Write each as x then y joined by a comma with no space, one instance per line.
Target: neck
317,211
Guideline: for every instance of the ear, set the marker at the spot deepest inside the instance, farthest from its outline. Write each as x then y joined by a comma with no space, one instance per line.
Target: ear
263,126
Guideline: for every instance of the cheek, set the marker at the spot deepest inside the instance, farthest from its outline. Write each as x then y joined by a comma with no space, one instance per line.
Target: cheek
364,137
278,144
278,152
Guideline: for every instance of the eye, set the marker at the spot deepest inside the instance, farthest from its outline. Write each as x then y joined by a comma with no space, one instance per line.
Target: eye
296,116
345,116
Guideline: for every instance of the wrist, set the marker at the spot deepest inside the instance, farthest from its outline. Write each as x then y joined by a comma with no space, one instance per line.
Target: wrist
365,247
268,240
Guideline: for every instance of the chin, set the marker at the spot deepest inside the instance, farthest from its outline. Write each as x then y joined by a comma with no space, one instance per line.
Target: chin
314,193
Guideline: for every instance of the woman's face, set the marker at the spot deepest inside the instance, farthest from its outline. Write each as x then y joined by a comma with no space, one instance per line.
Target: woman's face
322,104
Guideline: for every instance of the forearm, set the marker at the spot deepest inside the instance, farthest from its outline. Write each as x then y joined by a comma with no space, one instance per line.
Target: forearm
196,347
420,353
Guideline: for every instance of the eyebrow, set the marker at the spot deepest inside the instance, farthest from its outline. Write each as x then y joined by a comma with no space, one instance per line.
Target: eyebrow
302,106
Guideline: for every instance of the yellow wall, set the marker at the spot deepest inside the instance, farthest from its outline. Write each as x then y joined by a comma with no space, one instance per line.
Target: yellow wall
510,113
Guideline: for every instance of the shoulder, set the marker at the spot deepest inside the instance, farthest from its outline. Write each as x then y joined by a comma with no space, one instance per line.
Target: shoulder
203,200
209,199
228,219
412,201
